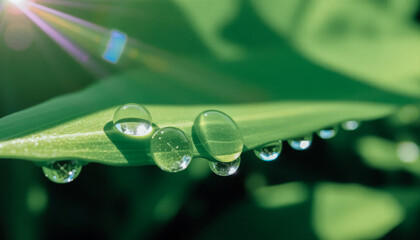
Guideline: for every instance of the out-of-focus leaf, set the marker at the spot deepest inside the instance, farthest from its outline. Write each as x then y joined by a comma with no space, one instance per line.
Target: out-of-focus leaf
281,195
350,211
373,41
387,155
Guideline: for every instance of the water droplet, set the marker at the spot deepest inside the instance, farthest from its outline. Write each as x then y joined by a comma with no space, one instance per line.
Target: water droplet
225,168
350,125
328,133
219,135
302,143
133,119
171,149
62,171
269,152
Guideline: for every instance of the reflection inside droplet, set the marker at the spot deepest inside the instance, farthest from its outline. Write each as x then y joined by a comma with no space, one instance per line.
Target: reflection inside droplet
269,152
171,149
302,143
327,133
62,171
219,134
225,168
350,125
133,119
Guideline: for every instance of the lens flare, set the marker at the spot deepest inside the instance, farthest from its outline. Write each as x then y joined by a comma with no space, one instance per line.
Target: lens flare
115,46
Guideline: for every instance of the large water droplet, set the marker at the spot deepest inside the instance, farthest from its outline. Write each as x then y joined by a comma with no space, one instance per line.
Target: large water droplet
328,133
219,135
171,149
225,168
269,152
350,125
133,119
302,143
62,171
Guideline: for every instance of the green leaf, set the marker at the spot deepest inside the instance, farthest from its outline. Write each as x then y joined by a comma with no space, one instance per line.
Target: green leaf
79,126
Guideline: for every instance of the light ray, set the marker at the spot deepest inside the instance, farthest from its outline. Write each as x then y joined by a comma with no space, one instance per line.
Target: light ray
73,4
63,42
67,45
93,33
88,36
70,18
112,7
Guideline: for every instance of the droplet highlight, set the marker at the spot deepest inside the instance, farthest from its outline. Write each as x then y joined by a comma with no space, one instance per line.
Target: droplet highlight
62,171
350,125
269,152
225,168
302,143
328,133
171,149
219,134
133,119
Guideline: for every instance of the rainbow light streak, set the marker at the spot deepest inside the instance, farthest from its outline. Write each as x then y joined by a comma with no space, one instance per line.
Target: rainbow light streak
69,17
115,46
63,42
81,5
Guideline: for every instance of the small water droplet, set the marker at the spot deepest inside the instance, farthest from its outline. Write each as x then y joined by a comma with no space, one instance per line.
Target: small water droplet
328,133
269,152
219,135
171,149
133,119
302,143
62,171
225,168
350,125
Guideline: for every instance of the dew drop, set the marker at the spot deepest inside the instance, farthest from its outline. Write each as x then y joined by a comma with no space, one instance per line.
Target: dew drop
269,152
225,168
350,125
62,171
328,133
220,135
302,143
171,149
133,119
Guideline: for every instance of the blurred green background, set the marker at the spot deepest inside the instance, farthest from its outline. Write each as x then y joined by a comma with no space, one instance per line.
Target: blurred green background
359,185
